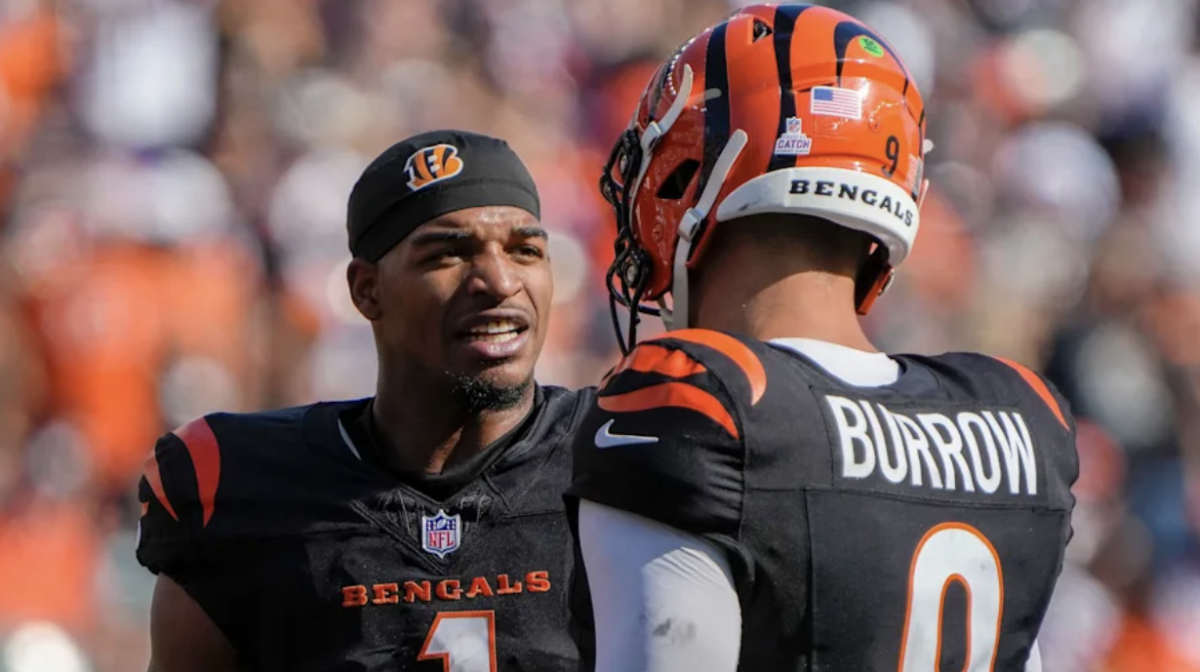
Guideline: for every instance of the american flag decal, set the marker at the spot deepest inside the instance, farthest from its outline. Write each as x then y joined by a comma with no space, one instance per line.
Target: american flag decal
831,101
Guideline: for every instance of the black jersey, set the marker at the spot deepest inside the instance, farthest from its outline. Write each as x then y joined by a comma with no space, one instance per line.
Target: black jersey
308,556
914,527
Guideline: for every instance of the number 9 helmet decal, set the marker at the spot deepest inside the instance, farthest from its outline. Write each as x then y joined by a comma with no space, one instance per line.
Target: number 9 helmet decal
789,109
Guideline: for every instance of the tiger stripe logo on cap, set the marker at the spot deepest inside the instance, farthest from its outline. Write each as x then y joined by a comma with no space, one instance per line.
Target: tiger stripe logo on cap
433,164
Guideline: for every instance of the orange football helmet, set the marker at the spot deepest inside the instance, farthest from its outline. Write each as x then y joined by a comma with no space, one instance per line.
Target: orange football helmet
794,109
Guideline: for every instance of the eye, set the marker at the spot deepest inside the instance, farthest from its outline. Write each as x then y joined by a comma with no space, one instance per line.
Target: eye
529,251
443,255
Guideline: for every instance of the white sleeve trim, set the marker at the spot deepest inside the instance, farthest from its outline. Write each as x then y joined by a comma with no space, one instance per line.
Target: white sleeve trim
1034,664
662,600
346,438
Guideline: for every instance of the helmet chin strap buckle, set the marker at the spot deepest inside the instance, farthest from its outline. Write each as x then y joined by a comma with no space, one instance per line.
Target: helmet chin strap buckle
651,135
677,316
689,226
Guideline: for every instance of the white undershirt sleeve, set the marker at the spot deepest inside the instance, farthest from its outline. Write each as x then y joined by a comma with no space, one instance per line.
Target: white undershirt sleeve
663,600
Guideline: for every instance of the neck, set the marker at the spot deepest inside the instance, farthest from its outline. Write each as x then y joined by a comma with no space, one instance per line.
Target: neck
431,431
766,305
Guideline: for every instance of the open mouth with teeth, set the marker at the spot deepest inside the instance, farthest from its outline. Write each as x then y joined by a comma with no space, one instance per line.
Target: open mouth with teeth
496,331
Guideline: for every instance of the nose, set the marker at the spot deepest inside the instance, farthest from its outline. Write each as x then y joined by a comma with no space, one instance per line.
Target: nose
494,274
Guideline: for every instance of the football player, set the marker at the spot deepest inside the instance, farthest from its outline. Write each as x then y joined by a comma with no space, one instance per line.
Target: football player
422,529
760,488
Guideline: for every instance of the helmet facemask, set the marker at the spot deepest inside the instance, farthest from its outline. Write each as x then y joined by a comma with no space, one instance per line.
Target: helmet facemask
629,275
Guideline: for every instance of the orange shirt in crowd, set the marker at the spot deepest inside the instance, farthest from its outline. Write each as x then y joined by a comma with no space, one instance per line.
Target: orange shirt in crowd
113,320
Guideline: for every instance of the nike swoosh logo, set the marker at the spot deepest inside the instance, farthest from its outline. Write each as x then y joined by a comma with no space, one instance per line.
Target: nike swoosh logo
606,439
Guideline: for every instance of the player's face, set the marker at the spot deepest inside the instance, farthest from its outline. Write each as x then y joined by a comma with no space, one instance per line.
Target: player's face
469,294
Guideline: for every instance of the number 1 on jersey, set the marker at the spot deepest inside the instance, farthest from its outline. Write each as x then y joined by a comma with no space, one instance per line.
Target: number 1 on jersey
465,641
953,552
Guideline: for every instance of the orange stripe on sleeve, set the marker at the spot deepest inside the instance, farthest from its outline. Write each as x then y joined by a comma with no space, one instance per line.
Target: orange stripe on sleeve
731,348
1035,381
671,395
657,359
201,444
155,480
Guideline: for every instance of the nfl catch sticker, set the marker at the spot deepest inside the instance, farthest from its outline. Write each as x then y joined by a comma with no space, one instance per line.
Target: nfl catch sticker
441,534
833,101
430,165
871,46
793,142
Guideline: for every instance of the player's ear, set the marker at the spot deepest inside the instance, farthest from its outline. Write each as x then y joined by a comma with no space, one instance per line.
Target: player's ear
363,278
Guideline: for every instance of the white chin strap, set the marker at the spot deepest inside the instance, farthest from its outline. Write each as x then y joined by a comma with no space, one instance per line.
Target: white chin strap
677,316
657,129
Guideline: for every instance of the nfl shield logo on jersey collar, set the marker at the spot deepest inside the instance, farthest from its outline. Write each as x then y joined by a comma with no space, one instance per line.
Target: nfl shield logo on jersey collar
441,534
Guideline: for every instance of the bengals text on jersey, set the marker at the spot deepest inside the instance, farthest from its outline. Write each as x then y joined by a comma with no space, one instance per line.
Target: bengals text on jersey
308,556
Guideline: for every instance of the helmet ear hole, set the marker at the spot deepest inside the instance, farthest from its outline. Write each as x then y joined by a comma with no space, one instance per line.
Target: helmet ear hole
761,30
677,183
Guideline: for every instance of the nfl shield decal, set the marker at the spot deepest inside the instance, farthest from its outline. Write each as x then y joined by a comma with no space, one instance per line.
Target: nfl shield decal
441,534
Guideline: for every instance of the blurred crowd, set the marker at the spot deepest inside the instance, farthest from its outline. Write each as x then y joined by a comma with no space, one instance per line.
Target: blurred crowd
173,184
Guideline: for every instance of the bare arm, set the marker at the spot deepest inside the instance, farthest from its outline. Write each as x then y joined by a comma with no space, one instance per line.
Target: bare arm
182,636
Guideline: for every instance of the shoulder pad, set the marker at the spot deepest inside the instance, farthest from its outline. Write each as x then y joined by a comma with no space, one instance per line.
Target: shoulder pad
691,369
191,448
1053,400
1002,381
231,476
665,438
178,494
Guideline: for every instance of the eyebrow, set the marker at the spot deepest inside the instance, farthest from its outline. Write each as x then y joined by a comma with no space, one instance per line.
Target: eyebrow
454,235
531,232
447,236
